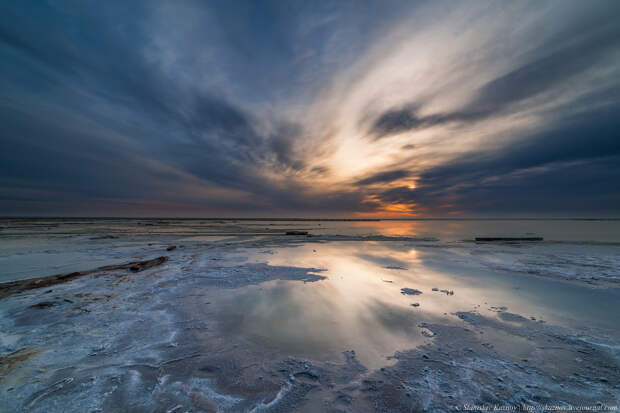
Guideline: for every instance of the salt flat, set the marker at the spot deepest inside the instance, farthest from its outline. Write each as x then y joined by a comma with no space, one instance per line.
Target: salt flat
240,317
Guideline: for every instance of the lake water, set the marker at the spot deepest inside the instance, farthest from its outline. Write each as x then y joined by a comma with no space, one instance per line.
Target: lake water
572,248
360,305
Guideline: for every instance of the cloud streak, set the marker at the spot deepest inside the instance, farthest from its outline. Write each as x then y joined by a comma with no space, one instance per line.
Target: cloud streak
323,109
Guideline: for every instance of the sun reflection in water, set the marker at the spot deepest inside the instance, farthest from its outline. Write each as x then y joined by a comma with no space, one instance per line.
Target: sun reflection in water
361,305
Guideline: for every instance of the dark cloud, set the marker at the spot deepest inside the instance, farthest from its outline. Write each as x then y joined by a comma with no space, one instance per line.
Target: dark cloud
122,110
382,177
557,64
573,167
319,170
82,60
551,65
151,102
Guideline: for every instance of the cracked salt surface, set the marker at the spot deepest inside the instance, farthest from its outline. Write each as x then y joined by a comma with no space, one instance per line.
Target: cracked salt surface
274,324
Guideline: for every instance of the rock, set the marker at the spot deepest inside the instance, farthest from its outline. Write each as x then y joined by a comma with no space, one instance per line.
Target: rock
104,237
306,374
143,265
427,333
512,317
170,248
415,304
435,289
44,304
410,291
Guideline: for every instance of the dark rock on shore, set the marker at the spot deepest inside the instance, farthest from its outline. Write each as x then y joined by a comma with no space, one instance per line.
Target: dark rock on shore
105,237
410,291
44,304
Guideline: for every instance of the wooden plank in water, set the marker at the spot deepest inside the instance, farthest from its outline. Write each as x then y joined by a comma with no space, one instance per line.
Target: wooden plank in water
296,233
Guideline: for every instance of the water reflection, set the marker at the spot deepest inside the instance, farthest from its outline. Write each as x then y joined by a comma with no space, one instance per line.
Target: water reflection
360,305
456,230
317,321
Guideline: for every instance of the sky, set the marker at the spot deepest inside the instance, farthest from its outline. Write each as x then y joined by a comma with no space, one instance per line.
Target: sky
355,109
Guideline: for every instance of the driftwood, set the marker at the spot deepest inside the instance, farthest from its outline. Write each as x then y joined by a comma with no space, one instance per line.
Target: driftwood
12,287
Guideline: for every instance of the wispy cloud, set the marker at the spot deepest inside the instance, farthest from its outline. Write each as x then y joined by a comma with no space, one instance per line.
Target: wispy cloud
291,108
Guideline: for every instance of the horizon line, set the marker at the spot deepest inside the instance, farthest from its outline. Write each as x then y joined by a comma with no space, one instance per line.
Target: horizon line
491,218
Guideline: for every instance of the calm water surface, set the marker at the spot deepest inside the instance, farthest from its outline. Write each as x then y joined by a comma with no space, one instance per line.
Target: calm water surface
360,305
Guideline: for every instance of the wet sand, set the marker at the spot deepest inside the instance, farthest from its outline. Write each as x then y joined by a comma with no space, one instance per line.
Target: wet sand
259,321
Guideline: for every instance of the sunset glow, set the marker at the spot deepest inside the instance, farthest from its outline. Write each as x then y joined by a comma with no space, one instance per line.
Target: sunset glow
417,109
